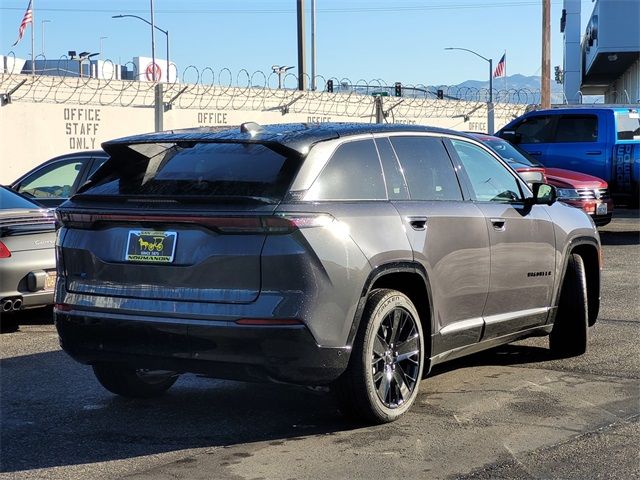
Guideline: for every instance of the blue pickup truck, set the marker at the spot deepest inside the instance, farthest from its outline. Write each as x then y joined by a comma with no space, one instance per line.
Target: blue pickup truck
600,140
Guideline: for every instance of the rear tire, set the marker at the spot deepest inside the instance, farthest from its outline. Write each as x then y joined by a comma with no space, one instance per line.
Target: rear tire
8,323
385,368
132,382
570,330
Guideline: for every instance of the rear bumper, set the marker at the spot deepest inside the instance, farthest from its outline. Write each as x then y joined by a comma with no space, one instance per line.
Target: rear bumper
213,348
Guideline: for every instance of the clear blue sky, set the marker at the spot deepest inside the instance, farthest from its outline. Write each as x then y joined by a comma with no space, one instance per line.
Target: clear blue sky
393,40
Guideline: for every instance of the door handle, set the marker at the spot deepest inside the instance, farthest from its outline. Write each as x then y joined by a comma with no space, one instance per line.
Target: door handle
595,152
535,153
498,224
418,223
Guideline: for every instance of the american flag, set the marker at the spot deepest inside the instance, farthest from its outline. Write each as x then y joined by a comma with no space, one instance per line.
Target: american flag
26,20
500,69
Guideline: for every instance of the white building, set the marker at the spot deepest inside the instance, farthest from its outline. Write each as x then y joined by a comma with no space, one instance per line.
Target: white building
606,59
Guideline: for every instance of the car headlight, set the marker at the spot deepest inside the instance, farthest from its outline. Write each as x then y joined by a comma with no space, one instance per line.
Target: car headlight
568,194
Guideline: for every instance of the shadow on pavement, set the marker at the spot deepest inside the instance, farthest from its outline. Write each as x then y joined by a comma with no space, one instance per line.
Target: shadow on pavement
620,238
54,412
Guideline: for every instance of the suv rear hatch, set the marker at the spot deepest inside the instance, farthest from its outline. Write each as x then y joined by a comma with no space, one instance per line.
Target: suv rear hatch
179,221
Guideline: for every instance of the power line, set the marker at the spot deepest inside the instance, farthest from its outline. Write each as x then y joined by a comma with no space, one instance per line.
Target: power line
350,9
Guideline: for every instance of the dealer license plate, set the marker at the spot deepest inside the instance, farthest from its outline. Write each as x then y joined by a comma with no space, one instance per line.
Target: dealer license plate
601,209
50,281
151,246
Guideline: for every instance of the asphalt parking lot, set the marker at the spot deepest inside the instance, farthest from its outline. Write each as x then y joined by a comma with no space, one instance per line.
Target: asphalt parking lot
512,412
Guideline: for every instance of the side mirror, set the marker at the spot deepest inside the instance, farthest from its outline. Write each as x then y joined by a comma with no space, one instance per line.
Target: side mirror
511,136
543,194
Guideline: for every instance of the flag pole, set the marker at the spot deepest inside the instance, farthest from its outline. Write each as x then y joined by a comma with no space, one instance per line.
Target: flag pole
505,70
33,40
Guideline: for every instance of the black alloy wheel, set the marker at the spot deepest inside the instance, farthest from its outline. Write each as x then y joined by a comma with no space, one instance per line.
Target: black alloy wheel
385,367
395,362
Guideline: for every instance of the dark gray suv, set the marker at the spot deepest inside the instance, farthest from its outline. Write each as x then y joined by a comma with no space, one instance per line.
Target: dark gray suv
350,255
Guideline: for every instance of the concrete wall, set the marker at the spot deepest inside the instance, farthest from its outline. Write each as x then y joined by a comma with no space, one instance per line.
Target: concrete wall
48,116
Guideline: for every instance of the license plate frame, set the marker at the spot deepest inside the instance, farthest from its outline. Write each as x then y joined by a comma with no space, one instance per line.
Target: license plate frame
151,246
601,209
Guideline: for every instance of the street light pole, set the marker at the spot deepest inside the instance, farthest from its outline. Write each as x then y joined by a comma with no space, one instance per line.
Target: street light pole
166,32
101,39
280,70
490,113
313,45
153,46
42,23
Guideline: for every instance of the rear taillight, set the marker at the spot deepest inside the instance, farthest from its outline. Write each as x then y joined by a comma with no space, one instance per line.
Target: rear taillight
62,307
4,251
278,223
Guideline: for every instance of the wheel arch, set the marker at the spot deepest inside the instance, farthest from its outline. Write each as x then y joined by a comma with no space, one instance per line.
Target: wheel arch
409,278
590,250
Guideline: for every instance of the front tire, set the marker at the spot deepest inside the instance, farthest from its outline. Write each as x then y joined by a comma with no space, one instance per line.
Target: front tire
132,382
385,368
569,335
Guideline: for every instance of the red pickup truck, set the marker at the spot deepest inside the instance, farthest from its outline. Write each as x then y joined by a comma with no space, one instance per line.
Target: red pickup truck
580,190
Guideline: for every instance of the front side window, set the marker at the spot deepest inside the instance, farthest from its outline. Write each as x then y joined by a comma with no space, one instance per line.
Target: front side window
53,181
427,168
535,129
577,128
490,180
353,173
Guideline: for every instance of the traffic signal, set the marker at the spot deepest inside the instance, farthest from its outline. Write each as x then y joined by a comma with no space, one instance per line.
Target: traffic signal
440,94
559,74
330,86
398,89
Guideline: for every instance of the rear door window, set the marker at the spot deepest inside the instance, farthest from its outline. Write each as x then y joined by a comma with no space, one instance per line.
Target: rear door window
537,129
353,173
427,168
195,170
393,174
628,125
577,129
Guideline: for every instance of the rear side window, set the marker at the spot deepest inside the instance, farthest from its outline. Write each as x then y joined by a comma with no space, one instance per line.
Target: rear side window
537,129
628,125
577,129
353,173
200,169
427,168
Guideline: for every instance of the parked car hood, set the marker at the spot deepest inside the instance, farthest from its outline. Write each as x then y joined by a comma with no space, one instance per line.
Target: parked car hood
574,179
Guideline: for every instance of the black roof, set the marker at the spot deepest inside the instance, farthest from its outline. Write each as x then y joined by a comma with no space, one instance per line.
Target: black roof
296,136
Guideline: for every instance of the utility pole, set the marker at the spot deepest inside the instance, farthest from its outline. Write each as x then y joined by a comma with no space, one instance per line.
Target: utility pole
302,66
545,88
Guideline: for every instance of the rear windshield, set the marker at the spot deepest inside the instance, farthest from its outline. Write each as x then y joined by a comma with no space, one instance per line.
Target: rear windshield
195,170
628,125
10,200
510,153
